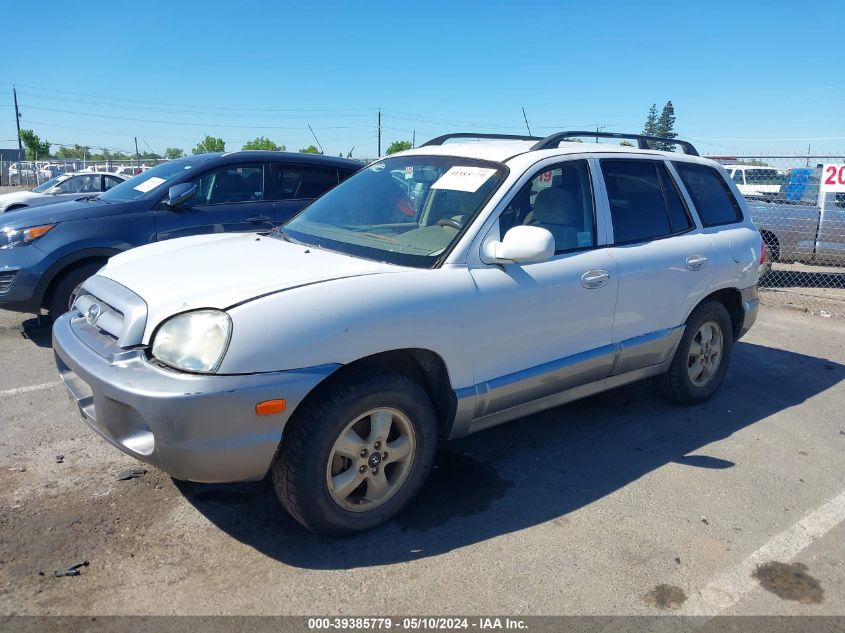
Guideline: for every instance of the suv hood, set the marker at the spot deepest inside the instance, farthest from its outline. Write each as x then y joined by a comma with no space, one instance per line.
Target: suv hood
221,270
56,212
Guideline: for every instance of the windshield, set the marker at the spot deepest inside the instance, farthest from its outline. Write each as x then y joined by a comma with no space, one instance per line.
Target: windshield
156,179
406,210
50,183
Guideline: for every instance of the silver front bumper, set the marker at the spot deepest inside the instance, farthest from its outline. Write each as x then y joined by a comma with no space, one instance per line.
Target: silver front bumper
194,427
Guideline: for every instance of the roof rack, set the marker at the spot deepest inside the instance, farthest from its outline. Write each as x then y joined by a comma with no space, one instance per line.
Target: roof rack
553,140
440,140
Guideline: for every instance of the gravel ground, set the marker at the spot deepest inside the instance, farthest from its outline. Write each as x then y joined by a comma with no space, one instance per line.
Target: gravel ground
618,504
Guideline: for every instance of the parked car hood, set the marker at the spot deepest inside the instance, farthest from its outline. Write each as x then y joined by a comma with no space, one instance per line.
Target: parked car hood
59,212
17,196
224,269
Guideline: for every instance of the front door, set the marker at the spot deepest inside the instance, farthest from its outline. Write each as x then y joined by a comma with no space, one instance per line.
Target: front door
229,198
293,186
547,326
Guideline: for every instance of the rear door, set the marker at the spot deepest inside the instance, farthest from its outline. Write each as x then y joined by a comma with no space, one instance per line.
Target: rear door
229,198
665,261
292,186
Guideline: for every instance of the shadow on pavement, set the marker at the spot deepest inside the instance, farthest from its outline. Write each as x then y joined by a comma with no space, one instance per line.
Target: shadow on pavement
39,331
532,470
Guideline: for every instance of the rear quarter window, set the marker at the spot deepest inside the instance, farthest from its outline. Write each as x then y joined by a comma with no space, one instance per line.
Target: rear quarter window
713,199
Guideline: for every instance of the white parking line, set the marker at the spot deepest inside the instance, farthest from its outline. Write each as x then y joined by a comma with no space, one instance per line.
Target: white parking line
729,587
12,392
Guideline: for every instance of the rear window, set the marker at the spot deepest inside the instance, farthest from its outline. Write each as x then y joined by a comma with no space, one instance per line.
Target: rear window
713,199
762,177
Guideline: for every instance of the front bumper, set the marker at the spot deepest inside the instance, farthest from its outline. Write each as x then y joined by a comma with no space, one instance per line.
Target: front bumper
195,427
750,306
21,269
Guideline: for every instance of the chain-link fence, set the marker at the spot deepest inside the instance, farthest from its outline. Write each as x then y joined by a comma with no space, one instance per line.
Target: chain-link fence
803,226
30,173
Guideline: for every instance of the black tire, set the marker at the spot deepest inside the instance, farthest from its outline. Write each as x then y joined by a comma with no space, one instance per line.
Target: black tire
299,467
65,287
676,384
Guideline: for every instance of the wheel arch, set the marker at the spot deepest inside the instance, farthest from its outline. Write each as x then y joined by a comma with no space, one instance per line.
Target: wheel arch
425,367
49,281
731,298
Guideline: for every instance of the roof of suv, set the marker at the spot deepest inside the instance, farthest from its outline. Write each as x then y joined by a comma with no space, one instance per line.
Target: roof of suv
503,147
291,157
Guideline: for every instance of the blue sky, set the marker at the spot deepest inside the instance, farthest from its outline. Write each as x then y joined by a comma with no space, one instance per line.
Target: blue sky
744,76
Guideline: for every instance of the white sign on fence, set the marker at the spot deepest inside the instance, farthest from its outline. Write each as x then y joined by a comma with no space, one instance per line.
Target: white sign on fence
833,178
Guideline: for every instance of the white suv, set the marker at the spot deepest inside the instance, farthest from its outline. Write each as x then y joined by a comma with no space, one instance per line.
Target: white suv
509,276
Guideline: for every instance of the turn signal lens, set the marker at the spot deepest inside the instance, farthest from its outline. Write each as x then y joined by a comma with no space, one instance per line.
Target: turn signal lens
270,407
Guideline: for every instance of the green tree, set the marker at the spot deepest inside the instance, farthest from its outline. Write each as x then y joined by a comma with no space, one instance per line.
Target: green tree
174,152
398,146
650,127
626,144
209,144
666,126
309,150
73,151
35,147
263,143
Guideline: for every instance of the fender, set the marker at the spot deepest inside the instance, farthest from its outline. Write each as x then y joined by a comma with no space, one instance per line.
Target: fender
65,261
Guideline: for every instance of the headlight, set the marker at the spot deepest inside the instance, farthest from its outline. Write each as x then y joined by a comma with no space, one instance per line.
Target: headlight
194,341
16,237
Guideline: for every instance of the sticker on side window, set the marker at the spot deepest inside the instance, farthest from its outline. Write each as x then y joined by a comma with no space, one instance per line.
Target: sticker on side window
149,184
467,179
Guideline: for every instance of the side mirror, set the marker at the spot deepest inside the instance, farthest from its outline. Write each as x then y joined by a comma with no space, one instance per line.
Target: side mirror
52,191
180,194
522,245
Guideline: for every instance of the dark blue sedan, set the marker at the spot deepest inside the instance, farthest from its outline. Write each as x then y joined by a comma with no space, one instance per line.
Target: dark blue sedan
47,252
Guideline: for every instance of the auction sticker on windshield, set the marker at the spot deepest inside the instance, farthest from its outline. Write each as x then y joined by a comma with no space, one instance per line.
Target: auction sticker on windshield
149,184
464,178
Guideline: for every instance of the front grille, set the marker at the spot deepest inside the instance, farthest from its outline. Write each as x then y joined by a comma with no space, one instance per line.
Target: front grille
112,310
6,280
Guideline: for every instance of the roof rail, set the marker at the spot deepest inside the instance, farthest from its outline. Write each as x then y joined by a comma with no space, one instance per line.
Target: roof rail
507,137
553,140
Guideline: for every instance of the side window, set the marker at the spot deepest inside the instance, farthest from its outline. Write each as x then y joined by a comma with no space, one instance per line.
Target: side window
293,182
230,184
81,184
737,177
710,194
638,206
560,200
679,217
110,181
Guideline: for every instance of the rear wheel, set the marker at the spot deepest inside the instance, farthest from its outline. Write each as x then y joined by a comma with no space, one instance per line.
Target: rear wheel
67,287
702,357
351,459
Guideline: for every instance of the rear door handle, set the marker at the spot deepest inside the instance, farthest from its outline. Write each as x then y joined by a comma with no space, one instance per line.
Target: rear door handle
595,278
696,261
258,218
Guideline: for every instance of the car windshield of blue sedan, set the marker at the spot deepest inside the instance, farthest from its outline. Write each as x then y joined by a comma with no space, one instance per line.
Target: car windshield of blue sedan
159,178
406,210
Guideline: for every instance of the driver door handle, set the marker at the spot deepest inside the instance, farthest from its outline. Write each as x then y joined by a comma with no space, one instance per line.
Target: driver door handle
258,218
696,261
595,278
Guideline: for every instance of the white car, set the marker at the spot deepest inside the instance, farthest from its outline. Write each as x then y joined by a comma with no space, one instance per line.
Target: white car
336,351
755,181
60,188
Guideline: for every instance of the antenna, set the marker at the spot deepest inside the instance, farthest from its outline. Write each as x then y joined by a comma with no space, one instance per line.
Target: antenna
315,138
349,155
526,121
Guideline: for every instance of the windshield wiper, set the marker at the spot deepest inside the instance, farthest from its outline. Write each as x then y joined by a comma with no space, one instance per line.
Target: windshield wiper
93,196
288,238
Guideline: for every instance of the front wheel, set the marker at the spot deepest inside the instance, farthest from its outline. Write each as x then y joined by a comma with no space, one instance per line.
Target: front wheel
702,357
67,287
353,458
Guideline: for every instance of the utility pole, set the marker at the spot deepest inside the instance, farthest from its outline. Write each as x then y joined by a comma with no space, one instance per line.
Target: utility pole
17,118
599,128
137,155
413,139
379,134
